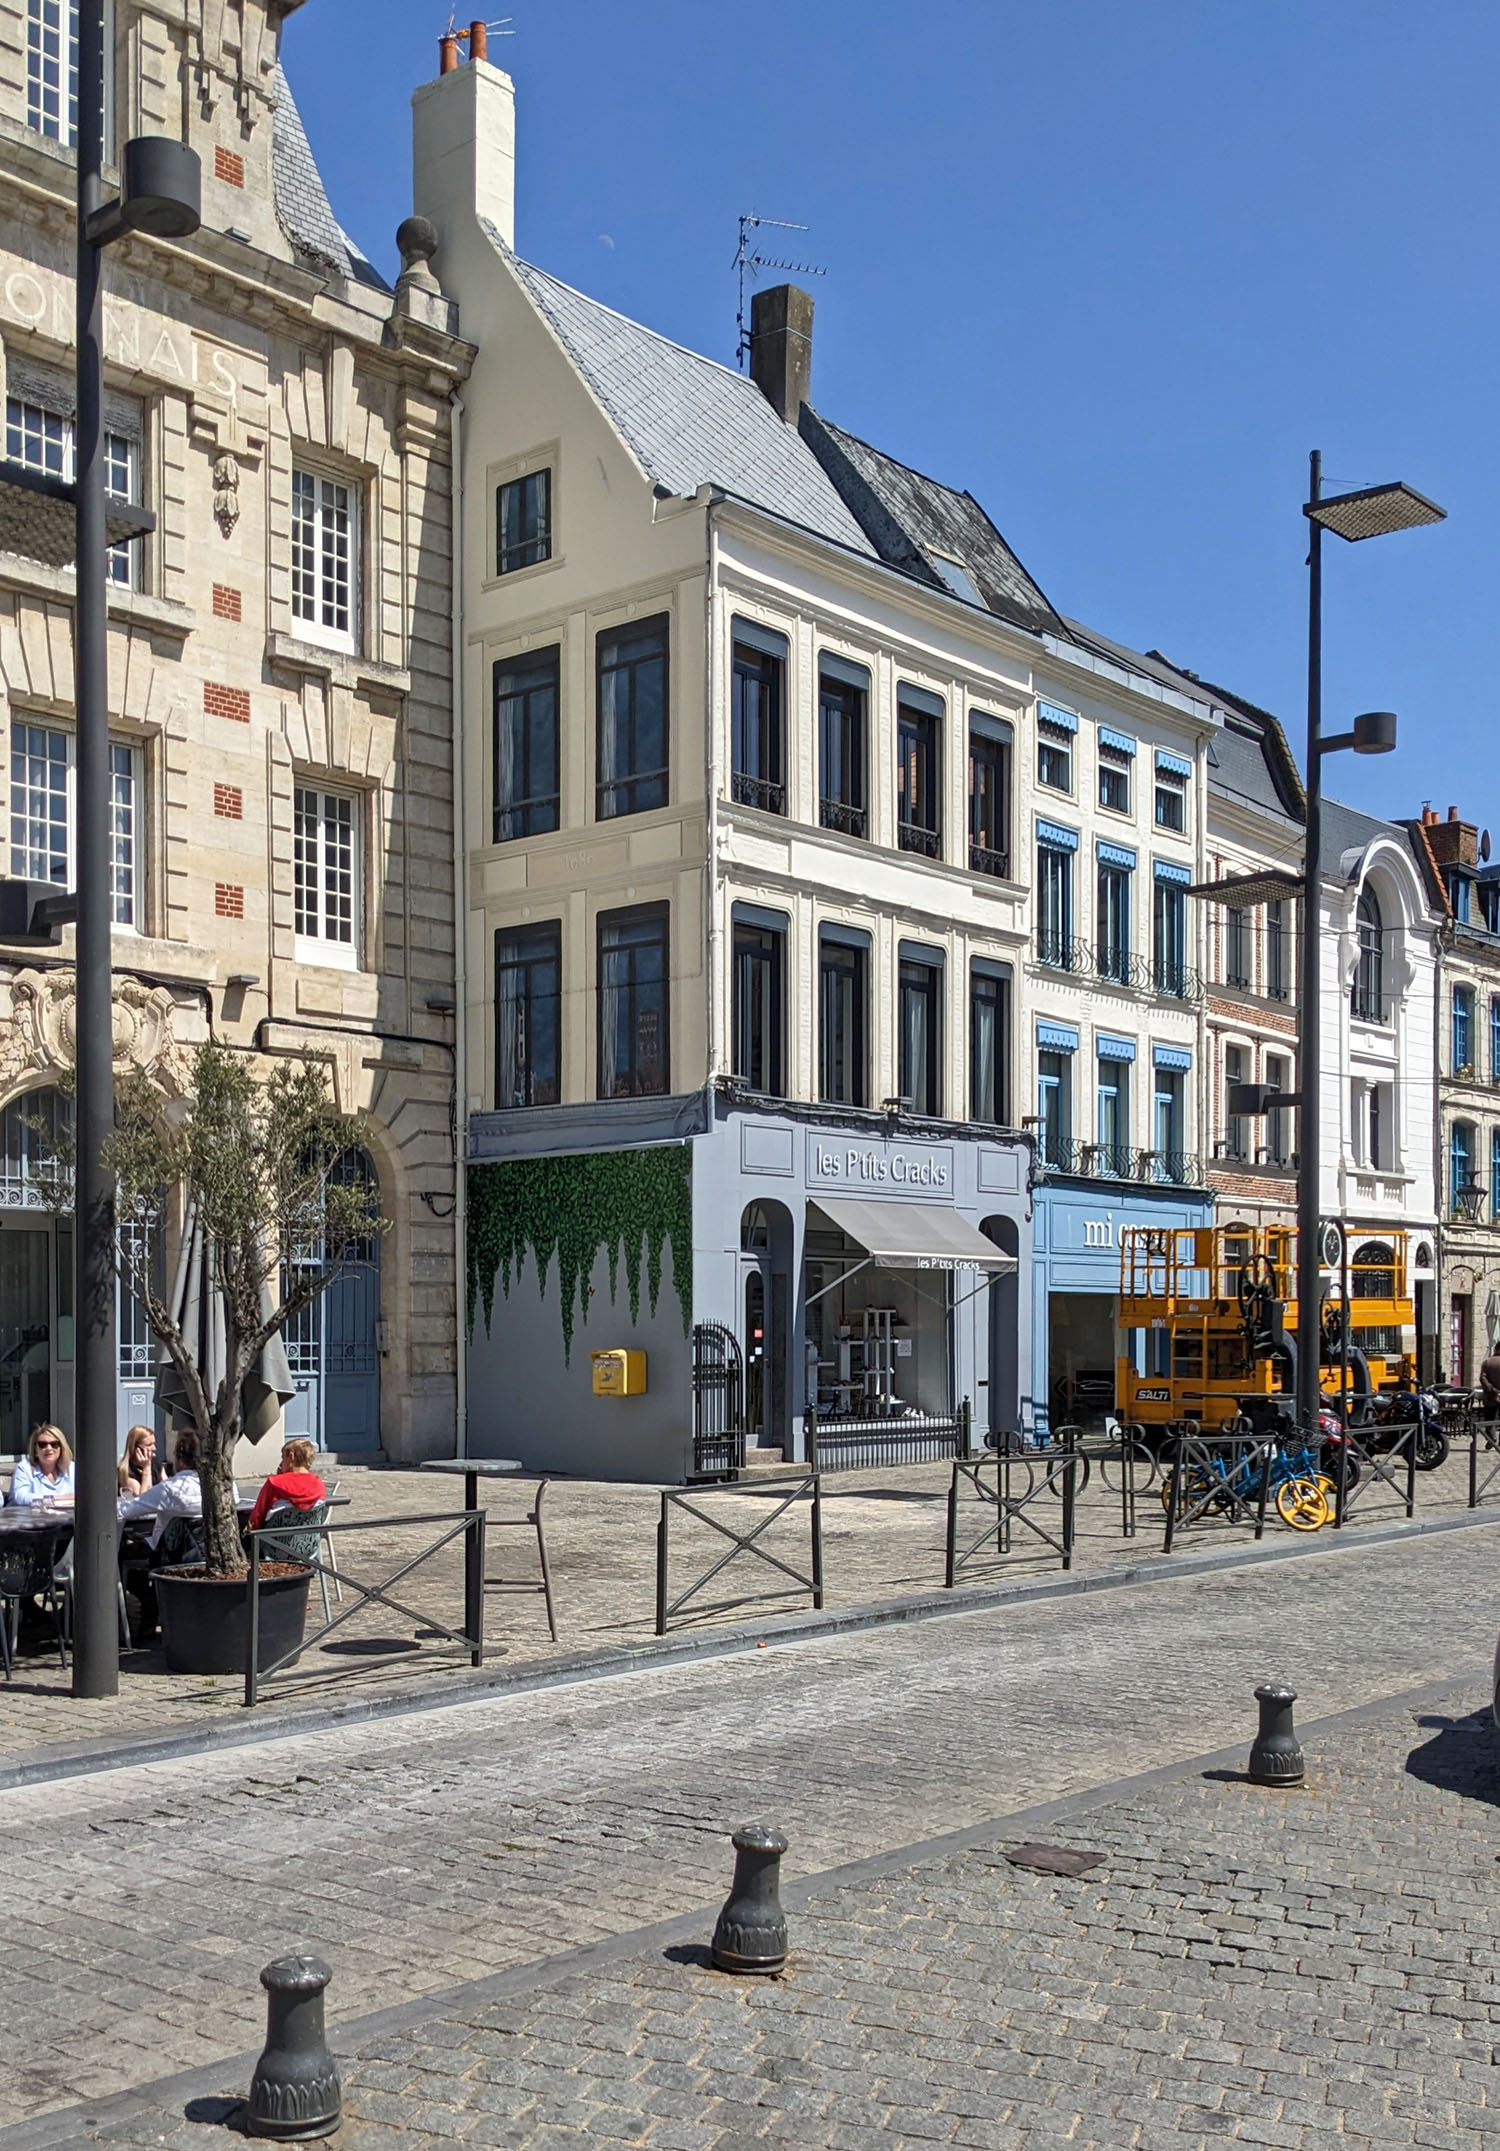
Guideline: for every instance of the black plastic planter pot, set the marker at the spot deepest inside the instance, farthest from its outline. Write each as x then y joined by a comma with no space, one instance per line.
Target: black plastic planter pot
205,1621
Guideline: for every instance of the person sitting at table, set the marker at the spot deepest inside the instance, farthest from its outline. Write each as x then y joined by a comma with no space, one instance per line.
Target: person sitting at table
44,1475
180,1495
294,1485
139,1470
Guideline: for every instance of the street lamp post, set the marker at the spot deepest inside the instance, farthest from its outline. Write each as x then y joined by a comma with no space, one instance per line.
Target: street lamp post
161,195
1373,512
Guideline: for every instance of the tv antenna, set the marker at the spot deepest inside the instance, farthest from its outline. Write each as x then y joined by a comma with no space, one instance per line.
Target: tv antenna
486,30
749,257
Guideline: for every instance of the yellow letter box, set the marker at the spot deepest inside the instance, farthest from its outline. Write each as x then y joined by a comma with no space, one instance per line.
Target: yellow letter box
619,1374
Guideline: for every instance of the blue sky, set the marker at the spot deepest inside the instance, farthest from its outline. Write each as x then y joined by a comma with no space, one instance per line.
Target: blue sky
1115,268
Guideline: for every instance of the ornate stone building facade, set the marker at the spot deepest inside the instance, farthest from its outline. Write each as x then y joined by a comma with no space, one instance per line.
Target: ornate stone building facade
280,681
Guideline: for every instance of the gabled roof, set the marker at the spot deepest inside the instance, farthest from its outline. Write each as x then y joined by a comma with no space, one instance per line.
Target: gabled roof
303,209
936,535
688,421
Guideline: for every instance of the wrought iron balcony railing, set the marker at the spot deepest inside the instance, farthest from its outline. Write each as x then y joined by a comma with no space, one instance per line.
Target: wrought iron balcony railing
1066,1157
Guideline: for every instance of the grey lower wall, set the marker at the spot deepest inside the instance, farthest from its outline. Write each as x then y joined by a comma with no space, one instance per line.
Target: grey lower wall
524,1401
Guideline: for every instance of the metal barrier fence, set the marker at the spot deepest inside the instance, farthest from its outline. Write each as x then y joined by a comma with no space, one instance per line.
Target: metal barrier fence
867,1444
1212,1475
469,1527
786,1491
1483,1428
1013,1478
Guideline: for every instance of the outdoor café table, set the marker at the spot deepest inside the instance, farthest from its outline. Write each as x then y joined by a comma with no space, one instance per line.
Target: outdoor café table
474,1468
34,1528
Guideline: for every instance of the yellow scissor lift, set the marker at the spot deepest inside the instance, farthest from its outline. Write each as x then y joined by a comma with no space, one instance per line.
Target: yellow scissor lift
1217,1304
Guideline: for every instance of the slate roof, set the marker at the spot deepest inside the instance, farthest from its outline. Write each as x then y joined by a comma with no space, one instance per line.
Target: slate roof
303,209
908,517
688,420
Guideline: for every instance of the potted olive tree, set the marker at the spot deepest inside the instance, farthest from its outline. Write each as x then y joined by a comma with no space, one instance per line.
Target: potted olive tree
244,1168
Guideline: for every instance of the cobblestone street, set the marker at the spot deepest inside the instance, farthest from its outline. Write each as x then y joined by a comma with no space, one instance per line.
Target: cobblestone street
459,1844
1274,1969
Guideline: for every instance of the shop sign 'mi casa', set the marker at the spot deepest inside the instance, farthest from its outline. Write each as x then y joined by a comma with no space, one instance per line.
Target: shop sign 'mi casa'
880,1168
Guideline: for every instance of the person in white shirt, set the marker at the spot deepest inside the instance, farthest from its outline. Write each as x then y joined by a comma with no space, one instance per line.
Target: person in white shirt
180,1495
44,1475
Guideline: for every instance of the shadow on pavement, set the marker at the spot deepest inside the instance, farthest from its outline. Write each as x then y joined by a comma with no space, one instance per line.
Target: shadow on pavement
1461,1758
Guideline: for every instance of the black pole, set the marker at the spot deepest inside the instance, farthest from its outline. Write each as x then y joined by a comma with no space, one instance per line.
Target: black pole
1309,1308
96,1650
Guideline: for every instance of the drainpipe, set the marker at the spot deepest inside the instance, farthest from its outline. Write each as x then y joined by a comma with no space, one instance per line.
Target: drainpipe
460,945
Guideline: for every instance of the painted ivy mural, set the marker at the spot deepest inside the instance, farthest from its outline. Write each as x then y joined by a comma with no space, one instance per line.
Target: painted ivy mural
629,1203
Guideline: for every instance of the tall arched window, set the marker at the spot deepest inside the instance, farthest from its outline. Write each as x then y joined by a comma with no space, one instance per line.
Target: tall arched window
1368,980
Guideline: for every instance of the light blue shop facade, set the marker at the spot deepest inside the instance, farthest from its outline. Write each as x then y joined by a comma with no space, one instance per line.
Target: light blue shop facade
1088,1196
855,1264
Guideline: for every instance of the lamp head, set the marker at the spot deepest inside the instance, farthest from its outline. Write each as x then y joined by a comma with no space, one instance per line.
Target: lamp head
163,191
1375,732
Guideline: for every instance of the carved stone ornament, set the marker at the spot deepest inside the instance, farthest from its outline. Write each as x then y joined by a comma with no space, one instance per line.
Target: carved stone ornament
41,1040
227,493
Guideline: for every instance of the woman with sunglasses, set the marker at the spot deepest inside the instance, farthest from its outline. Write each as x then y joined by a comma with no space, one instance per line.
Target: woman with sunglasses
44,1475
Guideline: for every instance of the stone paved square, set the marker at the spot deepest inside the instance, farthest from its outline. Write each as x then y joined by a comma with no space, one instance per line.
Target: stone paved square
1286,1968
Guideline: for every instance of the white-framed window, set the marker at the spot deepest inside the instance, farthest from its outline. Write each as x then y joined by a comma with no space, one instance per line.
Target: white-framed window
43,439
325,558
43,815
326,859
52,69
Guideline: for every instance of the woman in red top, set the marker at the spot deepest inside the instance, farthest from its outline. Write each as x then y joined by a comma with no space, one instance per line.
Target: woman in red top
295,1486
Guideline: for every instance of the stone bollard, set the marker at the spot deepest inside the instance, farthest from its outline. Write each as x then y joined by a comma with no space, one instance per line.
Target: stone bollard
1276,1757
751,1932
294,2093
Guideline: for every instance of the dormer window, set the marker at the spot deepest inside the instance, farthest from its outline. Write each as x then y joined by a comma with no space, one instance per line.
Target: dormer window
1459,887
956,576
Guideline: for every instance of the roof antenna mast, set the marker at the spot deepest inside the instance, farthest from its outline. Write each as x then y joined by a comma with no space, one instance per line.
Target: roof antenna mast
749,257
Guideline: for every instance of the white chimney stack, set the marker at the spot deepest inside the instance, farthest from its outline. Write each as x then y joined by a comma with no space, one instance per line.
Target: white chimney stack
464,150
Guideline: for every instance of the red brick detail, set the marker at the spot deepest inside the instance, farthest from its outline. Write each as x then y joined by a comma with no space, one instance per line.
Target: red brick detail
229,802
228,605
229,900
229,167
231,702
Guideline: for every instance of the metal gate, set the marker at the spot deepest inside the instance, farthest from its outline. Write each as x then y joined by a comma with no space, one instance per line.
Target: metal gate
718,1402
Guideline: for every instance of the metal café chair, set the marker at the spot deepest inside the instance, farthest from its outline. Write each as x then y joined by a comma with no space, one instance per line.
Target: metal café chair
26,1572
290,1534
531,1521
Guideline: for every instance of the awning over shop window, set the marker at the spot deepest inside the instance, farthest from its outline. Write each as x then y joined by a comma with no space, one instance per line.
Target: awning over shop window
914,1235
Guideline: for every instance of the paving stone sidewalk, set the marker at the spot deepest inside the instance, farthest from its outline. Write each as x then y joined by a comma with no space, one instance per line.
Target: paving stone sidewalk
1289,1969
883,1537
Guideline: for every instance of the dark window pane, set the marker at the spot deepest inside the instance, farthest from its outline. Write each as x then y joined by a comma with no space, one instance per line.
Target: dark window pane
841,756
989,806
758,1019
524,522
919,1076
528,1008
526,794
632,743
755,725
918,815
989,1048
841,1023
634,1058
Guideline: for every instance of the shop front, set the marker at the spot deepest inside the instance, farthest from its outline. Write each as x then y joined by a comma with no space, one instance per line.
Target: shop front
836,1265
1076,1338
